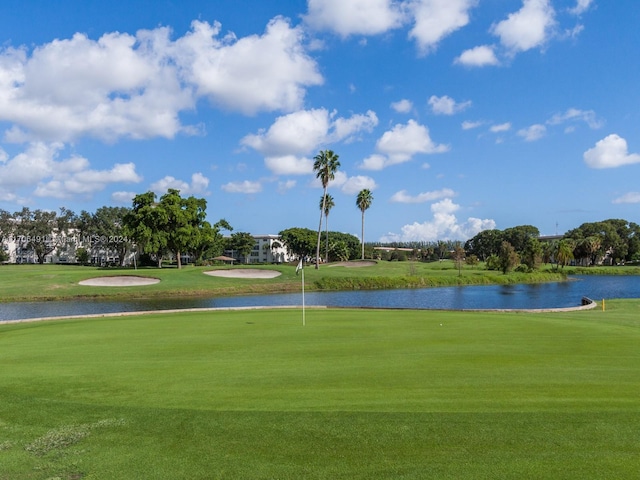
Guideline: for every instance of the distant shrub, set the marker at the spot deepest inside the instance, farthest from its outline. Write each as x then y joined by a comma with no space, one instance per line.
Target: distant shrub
493,263
83,256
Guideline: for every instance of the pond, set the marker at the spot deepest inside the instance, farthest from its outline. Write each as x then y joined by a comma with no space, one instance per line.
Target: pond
546,295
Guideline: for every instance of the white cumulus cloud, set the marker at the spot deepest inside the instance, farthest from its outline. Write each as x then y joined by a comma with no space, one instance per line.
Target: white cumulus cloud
294,133
403,196
122,197
355,184
469,125
436,19
198,186
286,142
502,127
610,152
39,168
251,74
581,7
354,17
347,128
479,56
402,106
528,28
136,86
289,165
107,88
533,132
286,185
443,226
400,144
446,105
305,130
242,187
430,20
575,114
631,197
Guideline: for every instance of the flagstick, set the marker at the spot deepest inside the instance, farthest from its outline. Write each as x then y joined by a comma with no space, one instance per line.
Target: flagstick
303,319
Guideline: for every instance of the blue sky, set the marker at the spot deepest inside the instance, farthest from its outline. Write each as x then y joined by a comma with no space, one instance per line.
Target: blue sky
458,115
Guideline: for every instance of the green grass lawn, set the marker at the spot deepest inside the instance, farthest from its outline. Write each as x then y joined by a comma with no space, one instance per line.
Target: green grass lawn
55,282
355,394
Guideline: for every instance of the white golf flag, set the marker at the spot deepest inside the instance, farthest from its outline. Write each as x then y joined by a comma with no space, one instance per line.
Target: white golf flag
299,267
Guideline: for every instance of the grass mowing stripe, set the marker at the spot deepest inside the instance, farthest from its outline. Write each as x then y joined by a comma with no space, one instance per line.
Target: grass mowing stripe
354,394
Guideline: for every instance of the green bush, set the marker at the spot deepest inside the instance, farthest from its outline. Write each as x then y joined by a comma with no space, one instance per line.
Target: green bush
493,263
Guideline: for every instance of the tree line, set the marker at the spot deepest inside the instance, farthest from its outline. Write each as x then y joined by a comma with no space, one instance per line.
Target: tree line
612,241
153,228
170,226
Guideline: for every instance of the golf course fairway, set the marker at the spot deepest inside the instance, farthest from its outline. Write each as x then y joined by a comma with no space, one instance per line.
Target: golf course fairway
354,394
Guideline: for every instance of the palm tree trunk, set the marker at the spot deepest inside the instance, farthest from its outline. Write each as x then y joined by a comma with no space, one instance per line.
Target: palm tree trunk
324,199
362,234
326,229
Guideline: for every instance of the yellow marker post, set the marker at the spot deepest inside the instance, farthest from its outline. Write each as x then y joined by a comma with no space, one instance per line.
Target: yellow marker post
603,304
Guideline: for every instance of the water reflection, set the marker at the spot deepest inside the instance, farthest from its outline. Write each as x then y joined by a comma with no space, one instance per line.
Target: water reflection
547,295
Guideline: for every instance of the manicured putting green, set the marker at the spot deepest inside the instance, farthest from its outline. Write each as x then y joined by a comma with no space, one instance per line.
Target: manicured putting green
355,394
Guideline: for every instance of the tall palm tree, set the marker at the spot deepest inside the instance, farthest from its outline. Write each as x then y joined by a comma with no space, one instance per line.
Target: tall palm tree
564,252
363,202
328,205
325,165
593,244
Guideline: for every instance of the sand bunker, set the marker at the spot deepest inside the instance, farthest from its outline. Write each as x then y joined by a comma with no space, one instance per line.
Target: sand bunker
358,263
243,273
119,281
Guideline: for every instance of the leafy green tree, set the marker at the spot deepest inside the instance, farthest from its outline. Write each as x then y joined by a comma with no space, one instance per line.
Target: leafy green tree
547,252
145,224
363,202
172,224
564,252
6,225
457,255
325,165
299,241
351,241
509,258
398,256
243,242
182,219
103,232
209,242
471,260
42,231
83,256
620,240
633,253
340,250
532,254
590,246
493,262
6,229
428,253
442,249
484,244
519,237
